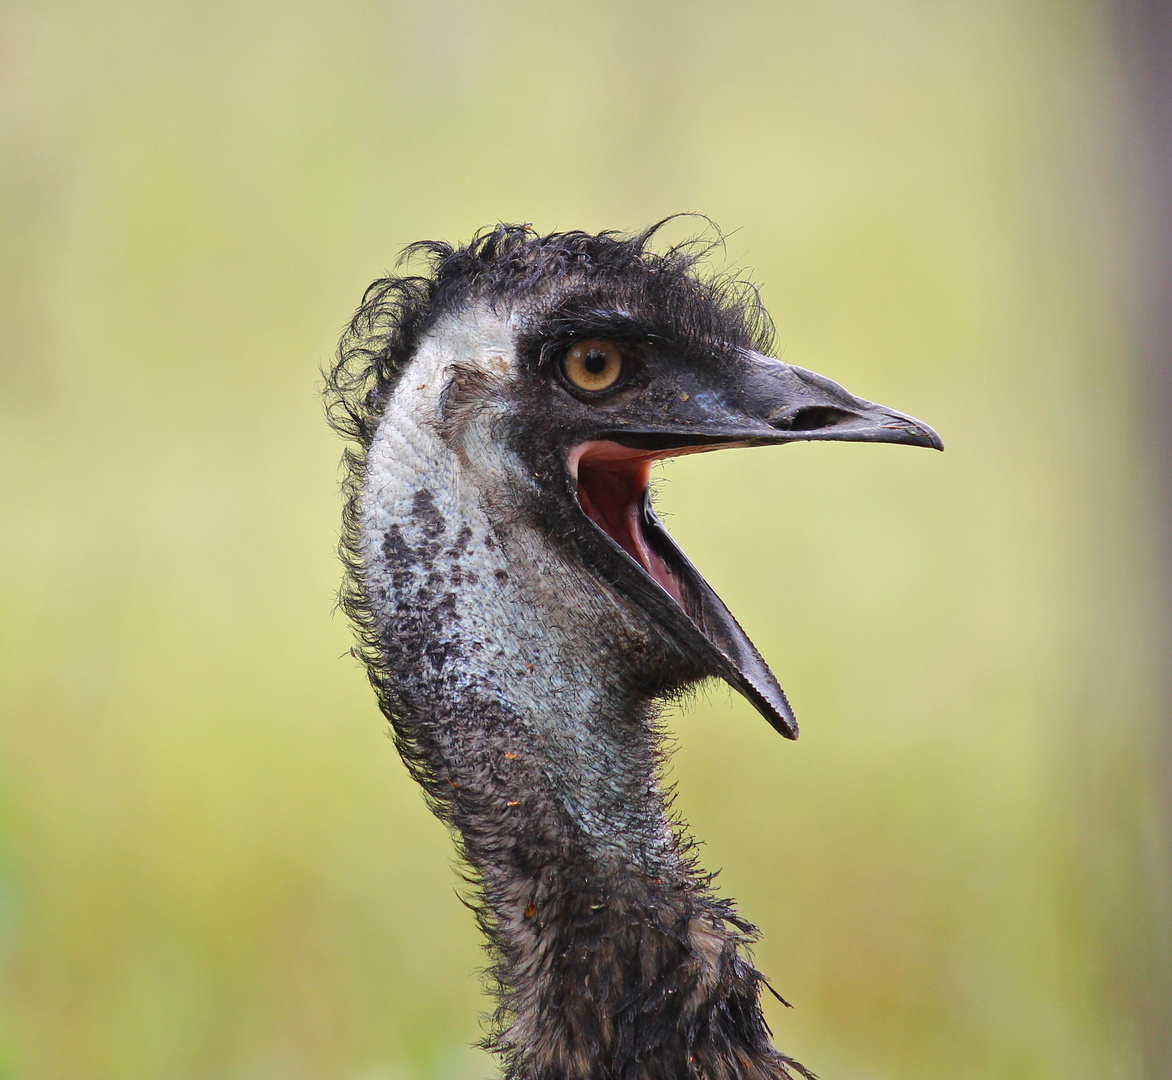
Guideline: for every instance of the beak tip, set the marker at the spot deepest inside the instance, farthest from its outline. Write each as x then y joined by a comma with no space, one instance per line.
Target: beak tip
921,434
783,720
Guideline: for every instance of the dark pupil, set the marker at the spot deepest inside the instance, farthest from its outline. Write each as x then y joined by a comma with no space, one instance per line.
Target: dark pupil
595,362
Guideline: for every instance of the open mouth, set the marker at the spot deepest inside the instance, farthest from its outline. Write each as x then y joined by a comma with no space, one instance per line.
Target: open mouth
612,492
773,403
611,485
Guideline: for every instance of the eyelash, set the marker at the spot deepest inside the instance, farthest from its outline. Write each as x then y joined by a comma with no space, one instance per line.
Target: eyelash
550,349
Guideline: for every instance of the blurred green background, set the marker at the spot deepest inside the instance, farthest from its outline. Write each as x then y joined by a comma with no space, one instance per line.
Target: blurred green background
211,862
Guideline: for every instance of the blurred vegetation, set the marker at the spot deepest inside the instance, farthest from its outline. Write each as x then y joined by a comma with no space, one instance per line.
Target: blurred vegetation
212,864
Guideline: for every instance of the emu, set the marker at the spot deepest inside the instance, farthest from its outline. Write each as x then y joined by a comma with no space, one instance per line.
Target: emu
522,615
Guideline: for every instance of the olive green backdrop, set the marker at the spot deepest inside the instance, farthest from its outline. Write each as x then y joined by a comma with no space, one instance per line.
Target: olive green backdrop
211,862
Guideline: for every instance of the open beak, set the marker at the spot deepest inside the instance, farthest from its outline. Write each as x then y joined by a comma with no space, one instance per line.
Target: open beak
771,403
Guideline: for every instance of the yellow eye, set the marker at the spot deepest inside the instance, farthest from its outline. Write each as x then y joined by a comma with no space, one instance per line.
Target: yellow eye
594,365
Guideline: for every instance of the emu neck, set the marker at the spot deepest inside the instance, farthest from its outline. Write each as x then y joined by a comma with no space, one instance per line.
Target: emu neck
513,667
511,678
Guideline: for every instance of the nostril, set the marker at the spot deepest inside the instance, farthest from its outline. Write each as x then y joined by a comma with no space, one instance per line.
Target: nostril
813,418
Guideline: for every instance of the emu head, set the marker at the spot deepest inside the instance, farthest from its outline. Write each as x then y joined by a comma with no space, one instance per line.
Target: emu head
517,398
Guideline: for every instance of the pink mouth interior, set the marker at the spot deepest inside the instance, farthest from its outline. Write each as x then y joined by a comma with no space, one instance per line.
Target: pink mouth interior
611,482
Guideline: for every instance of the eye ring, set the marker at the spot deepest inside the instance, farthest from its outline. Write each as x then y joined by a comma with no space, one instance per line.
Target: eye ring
593,366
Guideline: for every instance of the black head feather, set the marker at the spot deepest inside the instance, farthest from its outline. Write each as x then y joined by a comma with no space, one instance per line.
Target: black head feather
513,264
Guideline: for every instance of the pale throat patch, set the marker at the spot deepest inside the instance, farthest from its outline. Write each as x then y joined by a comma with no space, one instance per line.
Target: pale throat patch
431,525
469,597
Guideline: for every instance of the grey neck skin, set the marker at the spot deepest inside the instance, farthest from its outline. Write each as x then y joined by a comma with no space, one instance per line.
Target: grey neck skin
515,701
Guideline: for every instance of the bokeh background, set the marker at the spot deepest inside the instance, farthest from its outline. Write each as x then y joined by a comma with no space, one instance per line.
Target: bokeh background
211,862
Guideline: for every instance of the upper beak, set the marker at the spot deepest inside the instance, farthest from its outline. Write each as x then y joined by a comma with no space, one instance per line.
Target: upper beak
766,402
794,403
